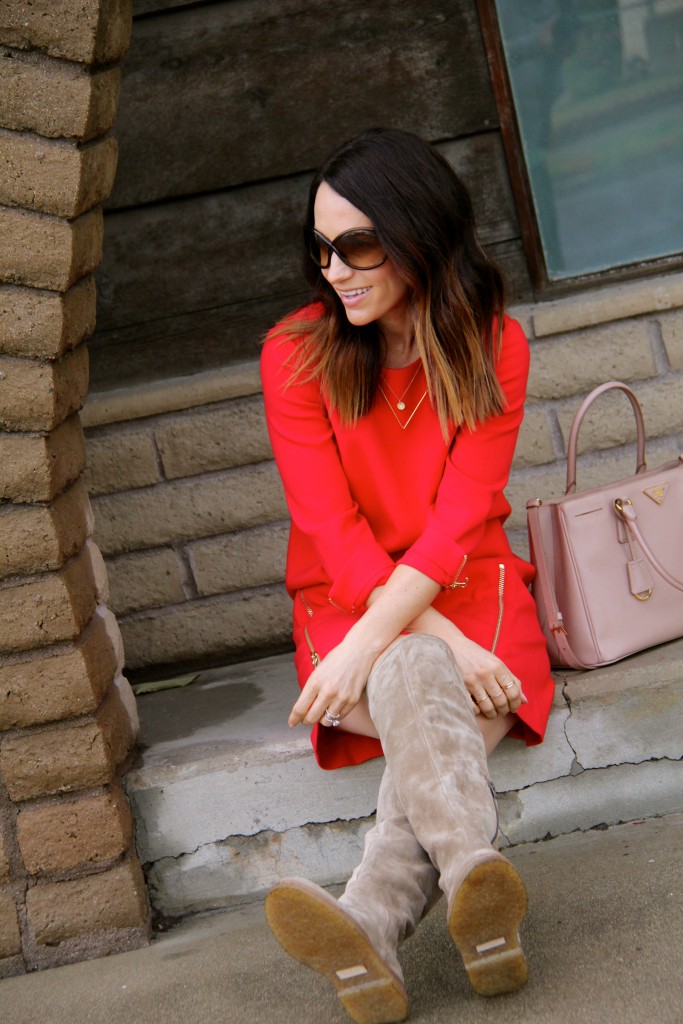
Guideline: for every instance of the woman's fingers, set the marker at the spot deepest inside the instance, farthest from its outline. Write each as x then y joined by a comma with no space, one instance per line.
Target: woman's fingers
498,694
512,689
331,720
314,712
486,706
315,699
308,698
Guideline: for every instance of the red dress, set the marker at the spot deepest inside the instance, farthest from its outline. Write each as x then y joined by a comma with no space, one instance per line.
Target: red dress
363,499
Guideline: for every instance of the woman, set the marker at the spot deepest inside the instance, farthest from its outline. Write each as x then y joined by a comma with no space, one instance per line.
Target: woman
393,404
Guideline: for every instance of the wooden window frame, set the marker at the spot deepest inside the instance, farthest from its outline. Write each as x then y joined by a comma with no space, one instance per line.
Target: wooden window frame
521,186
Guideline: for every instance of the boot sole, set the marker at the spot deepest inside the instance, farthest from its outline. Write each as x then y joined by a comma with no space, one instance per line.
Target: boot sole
316,931
484,923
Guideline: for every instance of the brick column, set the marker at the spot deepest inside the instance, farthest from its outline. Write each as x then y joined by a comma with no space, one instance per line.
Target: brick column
71,886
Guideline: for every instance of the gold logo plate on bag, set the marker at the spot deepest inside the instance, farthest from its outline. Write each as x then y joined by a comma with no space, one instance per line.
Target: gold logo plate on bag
657,493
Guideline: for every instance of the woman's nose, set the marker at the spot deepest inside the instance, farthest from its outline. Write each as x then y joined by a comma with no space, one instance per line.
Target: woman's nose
337,270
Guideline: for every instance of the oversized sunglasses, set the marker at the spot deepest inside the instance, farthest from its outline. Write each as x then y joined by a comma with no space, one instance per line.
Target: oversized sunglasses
359,249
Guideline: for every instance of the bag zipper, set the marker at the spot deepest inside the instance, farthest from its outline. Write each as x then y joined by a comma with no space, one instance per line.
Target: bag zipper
315,657
501,605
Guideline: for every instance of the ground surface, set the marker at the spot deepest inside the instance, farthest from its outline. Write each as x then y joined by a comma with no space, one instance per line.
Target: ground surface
604,941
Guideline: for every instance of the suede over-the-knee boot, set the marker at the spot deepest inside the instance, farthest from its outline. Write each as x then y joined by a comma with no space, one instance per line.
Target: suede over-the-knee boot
353,941
435,752
395,884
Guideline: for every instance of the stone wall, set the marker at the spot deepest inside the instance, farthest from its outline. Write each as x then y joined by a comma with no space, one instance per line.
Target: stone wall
70,882
190,512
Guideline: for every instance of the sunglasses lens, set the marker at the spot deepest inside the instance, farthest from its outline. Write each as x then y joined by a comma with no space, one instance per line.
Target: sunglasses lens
319,250
360,249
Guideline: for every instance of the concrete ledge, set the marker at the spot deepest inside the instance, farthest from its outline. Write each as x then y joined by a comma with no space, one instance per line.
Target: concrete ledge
227,799
611,302
141,400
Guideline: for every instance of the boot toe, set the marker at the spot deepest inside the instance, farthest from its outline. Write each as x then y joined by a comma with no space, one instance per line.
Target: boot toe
484,921
311,926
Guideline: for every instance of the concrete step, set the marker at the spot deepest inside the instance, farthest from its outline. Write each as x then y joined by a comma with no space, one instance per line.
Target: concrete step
227,799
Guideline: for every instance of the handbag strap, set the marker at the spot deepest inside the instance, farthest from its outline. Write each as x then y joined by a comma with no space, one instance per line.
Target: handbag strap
576,423
555,621
626,511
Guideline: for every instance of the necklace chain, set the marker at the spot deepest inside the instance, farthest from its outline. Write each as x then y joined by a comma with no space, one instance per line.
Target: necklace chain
400,404
393,411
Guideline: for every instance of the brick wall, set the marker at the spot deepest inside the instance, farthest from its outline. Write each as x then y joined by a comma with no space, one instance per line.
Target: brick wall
71,886
190,512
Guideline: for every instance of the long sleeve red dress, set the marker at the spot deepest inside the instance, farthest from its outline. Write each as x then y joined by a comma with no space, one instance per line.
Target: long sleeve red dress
386,491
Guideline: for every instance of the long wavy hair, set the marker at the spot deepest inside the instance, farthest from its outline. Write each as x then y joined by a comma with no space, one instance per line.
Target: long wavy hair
423,216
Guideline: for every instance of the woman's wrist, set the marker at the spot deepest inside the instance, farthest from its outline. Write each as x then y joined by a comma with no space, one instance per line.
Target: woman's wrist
371,636
392,606
433,622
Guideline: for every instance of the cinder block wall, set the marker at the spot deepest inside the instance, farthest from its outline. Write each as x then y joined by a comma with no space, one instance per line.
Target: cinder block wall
71,886
191,517
190,512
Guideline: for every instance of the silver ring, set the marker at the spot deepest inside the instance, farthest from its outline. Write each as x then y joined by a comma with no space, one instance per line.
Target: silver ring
509,686
480,700
333,720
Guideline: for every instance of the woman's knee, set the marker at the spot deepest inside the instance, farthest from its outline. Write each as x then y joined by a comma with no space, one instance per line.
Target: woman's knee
494,730
359,721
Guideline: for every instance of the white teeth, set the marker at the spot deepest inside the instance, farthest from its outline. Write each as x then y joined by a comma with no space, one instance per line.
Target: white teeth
356,291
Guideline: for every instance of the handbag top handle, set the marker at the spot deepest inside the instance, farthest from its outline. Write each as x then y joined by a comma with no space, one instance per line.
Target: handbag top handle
576,423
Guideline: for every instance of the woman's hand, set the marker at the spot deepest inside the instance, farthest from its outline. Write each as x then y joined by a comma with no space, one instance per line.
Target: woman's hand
336,685
338,682
495,691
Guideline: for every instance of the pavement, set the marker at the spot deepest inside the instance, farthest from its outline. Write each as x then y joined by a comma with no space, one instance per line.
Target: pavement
603,938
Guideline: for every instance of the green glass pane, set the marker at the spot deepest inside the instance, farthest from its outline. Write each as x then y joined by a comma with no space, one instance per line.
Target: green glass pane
598,93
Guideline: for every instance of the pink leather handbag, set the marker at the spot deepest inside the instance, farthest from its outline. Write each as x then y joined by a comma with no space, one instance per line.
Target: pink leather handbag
609,561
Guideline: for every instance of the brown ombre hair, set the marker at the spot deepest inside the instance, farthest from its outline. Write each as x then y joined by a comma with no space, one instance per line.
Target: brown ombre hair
423,216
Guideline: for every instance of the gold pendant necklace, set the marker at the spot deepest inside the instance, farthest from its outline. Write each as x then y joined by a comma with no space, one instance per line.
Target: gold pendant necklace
400,404
393,412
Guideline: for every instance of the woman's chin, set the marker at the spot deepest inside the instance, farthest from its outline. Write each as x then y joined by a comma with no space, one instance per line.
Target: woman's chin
358,317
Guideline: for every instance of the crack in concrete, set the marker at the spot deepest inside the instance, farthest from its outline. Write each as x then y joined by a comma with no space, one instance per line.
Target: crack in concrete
576,763
263,836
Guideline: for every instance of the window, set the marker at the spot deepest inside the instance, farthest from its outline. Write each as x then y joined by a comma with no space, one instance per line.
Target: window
597,90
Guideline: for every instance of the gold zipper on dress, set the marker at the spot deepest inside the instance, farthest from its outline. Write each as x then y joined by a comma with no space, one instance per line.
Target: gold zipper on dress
501,596
315,657
455,583
341,608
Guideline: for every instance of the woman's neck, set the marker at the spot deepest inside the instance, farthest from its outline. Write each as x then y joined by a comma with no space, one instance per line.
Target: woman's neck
399,345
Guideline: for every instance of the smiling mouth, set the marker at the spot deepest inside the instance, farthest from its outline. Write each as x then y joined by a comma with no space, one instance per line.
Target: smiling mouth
354,292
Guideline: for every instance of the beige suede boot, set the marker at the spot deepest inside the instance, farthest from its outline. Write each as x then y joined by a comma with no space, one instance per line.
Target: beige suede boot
395,884
435,752
353,940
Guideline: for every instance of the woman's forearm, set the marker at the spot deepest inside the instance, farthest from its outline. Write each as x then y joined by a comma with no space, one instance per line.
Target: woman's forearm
407,594
340,678
433,622
429,620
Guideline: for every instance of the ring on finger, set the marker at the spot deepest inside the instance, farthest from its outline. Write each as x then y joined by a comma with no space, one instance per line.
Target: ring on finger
480,700
510,685
331,719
